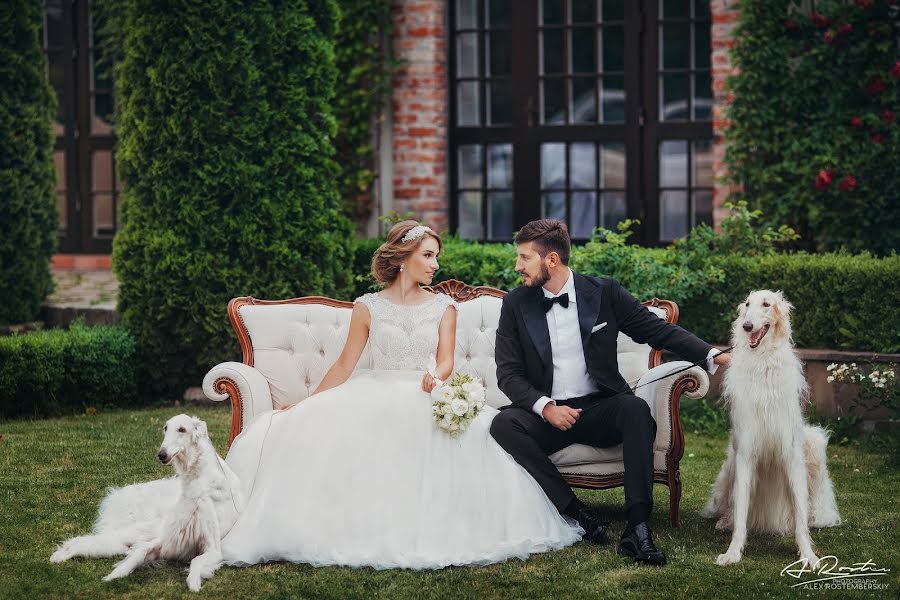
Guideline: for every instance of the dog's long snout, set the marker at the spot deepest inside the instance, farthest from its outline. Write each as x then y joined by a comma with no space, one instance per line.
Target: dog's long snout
162,456
748,326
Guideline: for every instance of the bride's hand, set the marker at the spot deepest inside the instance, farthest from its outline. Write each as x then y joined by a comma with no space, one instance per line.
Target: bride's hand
428,383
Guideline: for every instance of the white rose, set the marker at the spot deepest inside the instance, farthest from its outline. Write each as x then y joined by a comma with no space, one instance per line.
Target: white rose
446,394
830,379
447,420
459,407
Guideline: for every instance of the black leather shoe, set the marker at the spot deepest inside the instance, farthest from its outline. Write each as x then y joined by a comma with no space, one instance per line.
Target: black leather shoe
595,527
637,543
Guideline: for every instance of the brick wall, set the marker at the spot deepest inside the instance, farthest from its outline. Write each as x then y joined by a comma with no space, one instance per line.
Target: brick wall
724,19
420,105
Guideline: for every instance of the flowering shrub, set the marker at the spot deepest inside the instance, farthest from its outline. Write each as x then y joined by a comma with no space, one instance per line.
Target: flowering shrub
814,136
878,388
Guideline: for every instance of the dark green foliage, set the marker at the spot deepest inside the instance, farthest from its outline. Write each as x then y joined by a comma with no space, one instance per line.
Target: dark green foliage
704,416
814,137
225,143
365,68
58,371
28,217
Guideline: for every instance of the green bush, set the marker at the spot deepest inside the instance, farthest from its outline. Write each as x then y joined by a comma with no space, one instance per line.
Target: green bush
28,218
814,135
57,371
225,142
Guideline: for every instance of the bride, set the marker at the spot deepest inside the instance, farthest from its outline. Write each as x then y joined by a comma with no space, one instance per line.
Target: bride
358,475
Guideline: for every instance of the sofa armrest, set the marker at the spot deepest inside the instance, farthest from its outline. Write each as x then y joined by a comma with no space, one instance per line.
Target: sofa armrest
247,388
664,398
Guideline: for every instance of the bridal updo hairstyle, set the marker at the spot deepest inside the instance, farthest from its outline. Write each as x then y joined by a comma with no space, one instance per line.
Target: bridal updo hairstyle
390,255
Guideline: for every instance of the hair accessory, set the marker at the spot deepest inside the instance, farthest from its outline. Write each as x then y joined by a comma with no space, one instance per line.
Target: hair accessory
415,233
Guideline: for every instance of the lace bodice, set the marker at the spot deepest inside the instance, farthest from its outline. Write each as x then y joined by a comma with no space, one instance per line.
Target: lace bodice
404,337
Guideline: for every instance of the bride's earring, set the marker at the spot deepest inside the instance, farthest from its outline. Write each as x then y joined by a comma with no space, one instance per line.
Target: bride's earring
401,268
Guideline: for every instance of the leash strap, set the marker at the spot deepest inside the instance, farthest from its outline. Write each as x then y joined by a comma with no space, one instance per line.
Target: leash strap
682,370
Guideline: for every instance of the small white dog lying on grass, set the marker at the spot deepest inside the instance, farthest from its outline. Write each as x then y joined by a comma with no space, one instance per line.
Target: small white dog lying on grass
180,518
775,479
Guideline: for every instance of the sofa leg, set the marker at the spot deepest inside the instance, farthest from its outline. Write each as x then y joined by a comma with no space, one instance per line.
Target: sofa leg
675,498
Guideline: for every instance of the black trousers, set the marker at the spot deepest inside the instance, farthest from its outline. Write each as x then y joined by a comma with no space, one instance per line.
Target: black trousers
605,421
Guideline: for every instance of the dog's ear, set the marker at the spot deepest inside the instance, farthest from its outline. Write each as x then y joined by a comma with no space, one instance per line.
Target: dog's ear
200,430
782,305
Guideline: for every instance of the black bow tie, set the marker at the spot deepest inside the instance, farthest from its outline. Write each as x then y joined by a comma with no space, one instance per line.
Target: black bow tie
563,300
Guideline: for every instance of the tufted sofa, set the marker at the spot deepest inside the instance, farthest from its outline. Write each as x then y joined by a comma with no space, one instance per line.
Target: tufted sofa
288,345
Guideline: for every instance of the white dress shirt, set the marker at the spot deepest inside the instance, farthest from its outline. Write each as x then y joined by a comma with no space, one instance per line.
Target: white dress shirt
570,374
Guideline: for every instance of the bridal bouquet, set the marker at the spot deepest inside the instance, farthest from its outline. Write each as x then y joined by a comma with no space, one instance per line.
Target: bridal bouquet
454,403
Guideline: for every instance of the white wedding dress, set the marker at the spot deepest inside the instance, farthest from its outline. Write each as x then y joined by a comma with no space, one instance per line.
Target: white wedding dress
359,475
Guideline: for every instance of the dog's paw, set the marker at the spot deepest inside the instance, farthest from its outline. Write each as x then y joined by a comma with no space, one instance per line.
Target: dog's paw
111,576
729,558
61,555
810,561
194,582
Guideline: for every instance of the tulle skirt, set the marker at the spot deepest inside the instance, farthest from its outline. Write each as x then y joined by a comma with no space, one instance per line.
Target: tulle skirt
359,476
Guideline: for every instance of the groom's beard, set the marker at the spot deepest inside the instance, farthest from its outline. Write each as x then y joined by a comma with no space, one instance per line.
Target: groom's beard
540,280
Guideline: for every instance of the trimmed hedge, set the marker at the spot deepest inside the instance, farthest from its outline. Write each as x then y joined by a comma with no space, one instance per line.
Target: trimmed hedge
28,218
225,142
58,371
841,301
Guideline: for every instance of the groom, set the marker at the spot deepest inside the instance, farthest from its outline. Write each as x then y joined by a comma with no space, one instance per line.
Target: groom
556,362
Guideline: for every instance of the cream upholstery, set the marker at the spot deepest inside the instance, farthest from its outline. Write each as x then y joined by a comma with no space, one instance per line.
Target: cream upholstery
294,344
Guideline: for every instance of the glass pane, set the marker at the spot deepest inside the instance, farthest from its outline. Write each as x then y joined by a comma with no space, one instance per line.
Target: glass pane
57,74
673,217
612,209
53,26
674,92
553,101
673,163
101,171
583,165
468,111
612,96
584,104
470,216
466,14
499,47
584,50
702,46
612,166
500,216
552,12
584,214
675,45
702,157
553,206
103,214
703,207
59,162
61,207
553,51
500,166
613,48
702,97
675,8
469,167
553,166
498,12
613,10
103,112
701,8
583,11
499,102
467,55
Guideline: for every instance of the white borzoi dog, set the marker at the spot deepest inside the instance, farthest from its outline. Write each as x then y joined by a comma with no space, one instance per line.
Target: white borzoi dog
179,518
775,479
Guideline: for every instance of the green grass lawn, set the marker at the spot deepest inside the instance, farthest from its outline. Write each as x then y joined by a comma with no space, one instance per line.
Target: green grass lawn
55,471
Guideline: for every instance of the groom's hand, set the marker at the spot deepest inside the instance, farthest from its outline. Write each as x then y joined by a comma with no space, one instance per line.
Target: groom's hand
561,417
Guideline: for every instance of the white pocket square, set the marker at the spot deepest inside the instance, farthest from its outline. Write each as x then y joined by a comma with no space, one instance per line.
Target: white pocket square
598,327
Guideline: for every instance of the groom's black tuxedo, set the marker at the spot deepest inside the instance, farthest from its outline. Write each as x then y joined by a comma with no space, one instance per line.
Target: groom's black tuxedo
523,352
612,415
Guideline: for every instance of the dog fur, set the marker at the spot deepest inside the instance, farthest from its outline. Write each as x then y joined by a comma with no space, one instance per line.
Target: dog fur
775,478
178,518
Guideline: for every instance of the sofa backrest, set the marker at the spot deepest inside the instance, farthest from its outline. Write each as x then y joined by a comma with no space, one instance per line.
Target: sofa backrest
294,342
